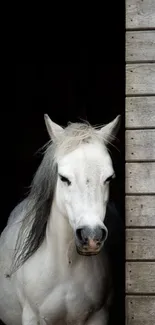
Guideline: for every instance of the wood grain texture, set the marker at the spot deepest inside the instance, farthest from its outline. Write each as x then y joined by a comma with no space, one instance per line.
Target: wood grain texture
140,46
140,112
140,310
140,78
140,144
140,13
140,277
140,211
140,178
140,244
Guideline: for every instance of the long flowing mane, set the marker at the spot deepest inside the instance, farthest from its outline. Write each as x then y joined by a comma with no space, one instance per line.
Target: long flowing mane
40,198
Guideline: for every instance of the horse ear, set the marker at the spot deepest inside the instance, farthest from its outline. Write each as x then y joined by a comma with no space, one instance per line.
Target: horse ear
109,131
54,130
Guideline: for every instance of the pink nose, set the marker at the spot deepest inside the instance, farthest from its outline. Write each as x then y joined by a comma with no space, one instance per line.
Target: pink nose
93,244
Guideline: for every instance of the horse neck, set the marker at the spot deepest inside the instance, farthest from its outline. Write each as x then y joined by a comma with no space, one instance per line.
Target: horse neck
59,234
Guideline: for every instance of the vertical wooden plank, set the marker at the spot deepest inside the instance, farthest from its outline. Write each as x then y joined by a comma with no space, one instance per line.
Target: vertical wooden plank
140,145
140,79
140,211
140,310
140,112
140,46
140,14
140,277
140,244
140,178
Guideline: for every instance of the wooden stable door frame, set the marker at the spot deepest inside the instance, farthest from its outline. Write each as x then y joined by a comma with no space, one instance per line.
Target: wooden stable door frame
140,162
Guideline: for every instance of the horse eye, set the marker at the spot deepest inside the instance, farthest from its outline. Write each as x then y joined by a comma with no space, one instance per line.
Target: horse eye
65,180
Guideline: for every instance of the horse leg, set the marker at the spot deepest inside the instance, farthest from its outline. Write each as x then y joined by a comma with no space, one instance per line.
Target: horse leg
98,318
30,317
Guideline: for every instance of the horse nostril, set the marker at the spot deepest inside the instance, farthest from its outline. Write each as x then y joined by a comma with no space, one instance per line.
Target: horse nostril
98,243
79,234
82,237
104,234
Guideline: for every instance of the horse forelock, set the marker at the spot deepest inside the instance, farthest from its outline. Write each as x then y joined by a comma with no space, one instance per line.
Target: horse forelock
74,135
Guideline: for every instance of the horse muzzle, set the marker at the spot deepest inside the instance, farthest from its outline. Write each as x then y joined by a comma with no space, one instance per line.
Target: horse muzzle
89,241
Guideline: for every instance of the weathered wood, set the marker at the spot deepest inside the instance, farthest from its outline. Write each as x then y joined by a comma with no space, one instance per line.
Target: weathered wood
140,310
140,112
140,178
140,244
140,144
140,14
140,277
140,211
140,46
140,78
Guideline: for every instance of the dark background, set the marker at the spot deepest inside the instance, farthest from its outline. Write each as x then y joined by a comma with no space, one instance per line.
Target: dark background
87,89
67,92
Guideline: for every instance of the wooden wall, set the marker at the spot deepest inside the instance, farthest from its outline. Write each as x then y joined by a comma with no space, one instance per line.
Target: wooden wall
140,162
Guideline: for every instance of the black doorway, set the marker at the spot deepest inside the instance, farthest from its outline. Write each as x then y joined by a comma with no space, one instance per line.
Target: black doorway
87,90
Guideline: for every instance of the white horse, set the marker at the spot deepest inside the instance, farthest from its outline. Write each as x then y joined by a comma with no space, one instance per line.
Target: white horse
53,267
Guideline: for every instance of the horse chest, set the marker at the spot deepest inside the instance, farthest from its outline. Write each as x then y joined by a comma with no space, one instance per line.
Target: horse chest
73,300
68,294
79,303
69,302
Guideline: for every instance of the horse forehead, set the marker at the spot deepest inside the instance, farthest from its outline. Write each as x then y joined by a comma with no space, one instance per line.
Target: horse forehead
87,157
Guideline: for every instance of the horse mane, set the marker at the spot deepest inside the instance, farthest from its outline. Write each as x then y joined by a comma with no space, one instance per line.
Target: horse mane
42,189
37,207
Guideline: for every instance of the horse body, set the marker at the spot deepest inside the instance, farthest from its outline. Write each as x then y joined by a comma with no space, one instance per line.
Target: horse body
64,276
55,284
